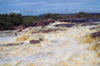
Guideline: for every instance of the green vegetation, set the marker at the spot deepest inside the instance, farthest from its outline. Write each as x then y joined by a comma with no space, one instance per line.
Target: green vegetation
32,19
82,14
7,21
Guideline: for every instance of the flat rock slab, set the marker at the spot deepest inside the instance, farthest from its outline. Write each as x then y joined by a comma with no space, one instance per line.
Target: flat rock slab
48,30
90,24
12,44
34,41
64,25
96,34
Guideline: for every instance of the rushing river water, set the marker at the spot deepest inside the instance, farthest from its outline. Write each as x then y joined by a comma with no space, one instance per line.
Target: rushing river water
60,46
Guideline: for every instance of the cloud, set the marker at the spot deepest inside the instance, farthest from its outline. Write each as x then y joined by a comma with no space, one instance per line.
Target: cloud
14,11
45,6
33,10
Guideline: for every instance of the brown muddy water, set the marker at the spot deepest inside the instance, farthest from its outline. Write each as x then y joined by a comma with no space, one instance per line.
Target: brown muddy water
58,44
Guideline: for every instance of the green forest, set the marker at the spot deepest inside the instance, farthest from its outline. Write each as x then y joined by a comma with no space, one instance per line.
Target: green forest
7,21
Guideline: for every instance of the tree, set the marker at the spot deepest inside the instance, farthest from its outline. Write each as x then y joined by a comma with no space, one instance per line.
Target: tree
8,21
82,14
28,20
48,16
12,14
56,16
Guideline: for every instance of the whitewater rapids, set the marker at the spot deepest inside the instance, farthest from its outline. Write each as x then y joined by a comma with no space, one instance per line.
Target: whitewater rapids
61,46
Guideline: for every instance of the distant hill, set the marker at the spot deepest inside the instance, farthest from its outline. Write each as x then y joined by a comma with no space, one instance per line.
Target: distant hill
61,14
95,13
73,14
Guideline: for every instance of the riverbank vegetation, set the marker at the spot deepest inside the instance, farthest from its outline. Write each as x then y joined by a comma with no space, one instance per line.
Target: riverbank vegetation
7,21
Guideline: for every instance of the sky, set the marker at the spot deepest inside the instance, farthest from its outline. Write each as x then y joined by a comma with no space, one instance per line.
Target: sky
38,7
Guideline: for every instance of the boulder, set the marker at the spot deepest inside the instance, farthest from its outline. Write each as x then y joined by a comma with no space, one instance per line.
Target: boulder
40,39
64,25
34,41
42,23
19,27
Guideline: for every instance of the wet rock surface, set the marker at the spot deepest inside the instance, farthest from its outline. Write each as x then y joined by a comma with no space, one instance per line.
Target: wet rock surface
96,34
95,28
11,44
8,33
20,27
40,39
80,20
64,25
89,24
48,30
43,23
34,41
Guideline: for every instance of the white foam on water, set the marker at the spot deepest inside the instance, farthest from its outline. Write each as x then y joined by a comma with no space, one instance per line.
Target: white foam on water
57,49
7,39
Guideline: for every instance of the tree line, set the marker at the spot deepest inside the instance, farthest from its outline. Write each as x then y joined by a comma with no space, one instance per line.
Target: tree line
7,21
